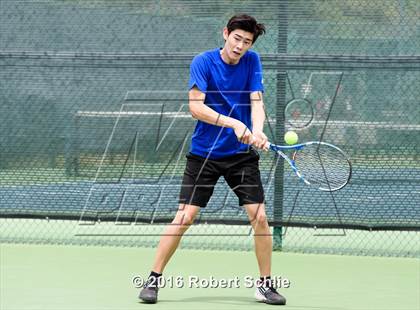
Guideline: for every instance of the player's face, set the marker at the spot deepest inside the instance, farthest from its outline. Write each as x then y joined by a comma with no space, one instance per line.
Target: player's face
237,43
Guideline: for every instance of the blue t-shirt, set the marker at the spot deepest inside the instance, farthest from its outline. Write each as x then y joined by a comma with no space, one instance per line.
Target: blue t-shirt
227,88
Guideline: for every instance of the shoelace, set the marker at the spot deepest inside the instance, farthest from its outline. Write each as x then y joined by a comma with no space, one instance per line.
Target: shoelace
149,282
269,287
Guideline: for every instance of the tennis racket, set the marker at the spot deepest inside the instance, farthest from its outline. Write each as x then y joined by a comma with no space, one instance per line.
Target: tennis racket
299,113
317,163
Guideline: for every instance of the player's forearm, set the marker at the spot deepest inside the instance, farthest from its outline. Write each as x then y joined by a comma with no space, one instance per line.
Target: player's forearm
206,114
257,114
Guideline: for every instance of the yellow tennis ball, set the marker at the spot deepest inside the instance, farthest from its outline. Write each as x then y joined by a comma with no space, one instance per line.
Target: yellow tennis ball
291,137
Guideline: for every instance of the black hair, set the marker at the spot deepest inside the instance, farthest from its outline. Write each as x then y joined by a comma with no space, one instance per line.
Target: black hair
246,23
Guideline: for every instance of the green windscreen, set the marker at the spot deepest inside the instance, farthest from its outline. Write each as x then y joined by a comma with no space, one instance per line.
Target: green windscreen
95,124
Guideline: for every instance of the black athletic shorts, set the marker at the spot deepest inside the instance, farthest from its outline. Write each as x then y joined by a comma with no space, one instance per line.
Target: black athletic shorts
240,171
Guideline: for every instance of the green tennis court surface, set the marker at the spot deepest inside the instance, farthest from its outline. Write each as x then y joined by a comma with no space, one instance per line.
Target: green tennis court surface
94,128
74,277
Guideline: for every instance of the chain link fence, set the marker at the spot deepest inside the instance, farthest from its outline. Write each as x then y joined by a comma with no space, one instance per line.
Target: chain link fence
95,123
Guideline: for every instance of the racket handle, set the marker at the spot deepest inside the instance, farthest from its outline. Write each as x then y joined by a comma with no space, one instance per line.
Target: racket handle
270,146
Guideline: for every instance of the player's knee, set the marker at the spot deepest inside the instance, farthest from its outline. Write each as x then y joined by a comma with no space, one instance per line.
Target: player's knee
261,219
187,219
183,218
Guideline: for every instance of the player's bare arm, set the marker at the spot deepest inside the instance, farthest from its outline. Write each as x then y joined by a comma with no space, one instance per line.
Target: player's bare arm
258,119
206,114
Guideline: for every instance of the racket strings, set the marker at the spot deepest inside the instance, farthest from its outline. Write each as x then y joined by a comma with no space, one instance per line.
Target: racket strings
299,113
323,165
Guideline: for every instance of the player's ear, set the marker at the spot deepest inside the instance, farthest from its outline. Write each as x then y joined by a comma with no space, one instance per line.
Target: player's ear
225,33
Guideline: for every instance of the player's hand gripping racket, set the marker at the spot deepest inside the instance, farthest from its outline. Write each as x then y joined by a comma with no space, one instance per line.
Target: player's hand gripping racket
317,163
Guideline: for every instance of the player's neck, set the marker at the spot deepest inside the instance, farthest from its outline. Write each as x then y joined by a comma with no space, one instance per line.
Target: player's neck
226,59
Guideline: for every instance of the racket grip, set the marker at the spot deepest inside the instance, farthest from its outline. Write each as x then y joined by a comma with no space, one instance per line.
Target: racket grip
270,146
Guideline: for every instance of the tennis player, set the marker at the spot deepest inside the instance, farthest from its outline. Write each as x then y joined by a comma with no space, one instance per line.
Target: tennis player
225,96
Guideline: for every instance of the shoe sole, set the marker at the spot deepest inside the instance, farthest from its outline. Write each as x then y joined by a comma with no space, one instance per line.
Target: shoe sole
148,301
260,298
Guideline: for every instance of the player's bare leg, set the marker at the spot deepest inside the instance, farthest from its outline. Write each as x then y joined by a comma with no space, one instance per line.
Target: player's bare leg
172,235
262,236
168,244
265,292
